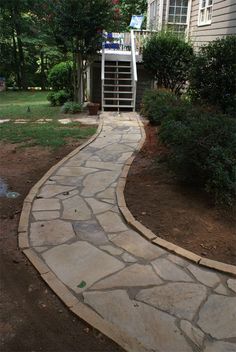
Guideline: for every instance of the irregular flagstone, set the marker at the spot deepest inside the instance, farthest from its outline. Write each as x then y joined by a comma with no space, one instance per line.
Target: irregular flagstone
220,346
128,258
113,152
74,171
124,157
232,284
50,232
69,194
40,249
46,215
112,250
49,191
195,334
178,260
180,299
90,231
154,329
170,271
111,222
218,316
68,180
98,181
97,206
134,275
75,208
108,193
221,289
136,245
103,165
80,262
46,204
205,276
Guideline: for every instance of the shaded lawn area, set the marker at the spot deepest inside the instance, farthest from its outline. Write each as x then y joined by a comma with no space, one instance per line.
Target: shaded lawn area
51,134
14,105
28,105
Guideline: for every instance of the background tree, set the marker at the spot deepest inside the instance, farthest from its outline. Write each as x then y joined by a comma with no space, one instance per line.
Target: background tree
80,24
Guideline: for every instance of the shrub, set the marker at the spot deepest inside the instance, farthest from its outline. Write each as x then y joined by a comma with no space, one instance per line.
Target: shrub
71,107
60,76
203,150
157,104
58,98
213,74
169,59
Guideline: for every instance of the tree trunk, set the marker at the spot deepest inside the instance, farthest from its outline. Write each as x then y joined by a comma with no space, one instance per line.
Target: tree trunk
43,76
79,70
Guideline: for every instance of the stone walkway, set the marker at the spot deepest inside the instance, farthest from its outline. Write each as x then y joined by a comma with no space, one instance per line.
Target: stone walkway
151,299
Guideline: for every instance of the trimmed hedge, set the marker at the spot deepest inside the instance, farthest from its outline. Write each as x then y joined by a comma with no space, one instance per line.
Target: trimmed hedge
60,76
71,108
58,98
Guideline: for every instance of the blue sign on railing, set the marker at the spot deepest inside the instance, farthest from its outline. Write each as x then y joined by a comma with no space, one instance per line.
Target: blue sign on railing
136,22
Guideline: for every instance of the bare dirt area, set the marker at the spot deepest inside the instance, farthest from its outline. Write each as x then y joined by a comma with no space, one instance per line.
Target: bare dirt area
177,213
32,317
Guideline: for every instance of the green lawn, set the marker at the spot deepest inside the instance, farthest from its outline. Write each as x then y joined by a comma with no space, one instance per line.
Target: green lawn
27,105
14,105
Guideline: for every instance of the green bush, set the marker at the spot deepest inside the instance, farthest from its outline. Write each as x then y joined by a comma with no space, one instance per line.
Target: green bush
203,150
58,98
157,104
71,107
213,74
60,76
169,59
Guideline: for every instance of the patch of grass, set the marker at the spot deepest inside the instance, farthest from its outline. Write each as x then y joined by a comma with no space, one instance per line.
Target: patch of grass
51,134
26,105
22,97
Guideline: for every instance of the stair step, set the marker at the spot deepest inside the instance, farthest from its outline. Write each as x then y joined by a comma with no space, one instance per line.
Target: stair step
117,92
117,106
126,99
120,73
118,85
118,79
128,66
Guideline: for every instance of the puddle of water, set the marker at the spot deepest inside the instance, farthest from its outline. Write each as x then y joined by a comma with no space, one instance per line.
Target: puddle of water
4,192
3,188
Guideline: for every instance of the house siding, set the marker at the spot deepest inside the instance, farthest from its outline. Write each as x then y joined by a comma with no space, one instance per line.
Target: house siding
223,22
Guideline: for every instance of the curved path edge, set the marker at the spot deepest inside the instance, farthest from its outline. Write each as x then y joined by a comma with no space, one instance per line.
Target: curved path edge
149,235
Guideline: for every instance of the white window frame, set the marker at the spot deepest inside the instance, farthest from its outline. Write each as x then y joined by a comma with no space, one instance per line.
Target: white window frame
185,24
205,8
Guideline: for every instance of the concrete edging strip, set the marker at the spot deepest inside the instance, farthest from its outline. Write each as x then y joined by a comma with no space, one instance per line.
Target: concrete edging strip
149,235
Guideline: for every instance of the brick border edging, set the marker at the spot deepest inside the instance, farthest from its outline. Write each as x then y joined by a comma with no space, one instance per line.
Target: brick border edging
78,308
148,234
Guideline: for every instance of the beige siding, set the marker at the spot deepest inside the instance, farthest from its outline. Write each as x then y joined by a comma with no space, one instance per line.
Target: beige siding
223,22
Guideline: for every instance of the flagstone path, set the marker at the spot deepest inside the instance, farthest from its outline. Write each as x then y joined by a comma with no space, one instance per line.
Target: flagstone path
155,300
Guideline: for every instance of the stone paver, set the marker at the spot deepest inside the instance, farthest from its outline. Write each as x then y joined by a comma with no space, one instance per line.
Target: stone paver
218,317
170,271
72,264
180,299
140,291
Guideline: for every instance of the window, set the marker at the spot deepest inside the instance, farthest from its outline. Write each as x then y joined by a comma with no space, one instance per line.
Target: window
153,13
205,12
177,17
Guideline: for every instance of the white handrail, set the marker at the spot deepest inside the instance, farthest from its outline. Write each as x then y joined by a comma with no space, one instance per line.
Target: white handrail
134,67
133,56
103,73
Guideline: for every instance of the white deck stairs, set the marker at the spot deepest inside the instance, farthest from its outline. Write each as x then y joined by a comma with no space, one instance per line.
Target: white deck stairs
119,78
118,88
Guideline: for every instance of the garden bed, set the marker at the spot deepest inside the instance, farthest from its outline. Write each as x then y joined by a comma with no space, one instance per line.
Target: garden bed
179,214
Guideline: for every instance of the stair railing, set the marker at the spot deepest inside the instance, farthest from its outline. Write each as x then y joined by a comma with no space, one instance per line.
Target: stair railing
103,74
134,67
